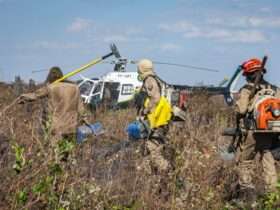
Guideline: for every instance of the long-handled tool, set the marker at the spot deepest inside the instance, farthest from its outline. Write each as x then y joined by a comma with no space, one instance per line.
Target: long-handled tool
114,51
258,78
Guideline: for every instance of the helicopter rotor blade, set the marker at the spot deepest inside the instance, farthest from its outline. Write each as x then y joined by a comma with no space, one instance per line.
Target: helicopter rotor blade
133,61
187,66
109,62
40,70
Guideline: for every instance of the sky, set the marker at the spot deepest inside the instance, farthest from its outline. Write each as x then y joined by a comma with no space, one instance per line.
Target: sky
219,34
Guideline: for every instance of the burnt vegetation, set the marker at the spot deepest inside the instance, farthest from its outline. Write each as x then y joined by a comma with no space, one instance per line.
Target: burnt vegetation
104,173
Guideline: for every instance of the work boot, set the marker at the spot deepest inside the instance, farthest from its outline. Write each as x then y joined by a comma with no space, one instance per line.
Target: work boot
247,198
245,173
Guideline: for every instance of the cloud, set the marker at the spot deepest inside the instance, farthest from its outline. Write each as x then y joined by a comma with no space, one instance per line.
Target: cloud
247,36
126,34
215,21
180,26
226,35
265,9
215,33
217,29
55,45
133,31
79,25
170,47
101,33
273,22
245,21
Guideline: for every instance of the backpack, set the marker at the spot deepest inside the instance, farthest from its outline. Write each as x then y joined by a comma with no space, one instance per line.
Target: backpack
267,114
158,80
265,108
141,96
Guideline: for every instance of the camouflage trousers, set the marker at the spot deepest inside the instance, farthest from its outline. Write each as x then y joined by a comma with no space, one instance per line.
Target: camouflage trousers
156,158
155,148
253,144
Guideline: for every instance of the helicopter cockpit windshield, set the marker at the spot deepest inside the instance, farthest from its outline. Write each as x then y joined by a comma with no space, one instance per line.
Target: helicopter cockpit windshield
85,87
90,90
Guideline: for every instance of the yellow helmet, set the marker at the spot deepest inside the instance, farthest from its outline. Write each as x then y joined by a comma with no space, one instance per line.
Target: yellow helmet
145,68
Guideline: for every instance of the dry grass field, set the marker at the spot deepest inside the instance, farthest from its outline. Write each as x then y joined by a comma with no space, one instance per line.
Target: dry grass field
103,173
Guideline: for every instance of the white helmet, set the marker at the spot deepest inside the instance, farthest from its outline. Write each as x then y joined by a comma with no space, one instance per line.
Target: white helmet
145,68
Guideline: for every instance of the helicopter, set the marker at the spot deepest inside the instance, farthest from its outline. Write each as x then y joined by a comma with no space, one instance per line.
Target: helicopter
118,87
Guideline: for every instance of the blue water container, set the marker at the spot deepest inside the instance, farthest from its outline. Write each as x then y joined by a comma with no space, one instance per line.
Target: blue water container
96,128
133,130
137,130
86,130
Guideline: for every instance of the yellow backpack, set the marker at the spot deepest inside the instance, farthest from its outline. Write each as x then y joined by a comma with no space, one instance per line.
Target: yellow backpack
161,114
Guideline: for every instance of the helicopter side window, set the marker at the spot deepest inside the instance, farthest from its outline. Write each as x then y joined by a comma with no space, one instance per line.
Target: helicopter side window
127,89
98,87
111,91
85,88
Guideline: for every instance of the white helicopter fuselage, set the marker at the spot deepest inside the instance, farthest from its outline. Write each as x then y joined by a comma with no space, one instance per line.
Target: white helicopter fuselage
117,86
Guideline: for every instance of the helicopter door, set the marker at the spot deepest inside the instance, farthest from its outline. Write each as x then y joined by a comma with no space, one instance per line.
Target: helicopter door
111,92
95,95
86,89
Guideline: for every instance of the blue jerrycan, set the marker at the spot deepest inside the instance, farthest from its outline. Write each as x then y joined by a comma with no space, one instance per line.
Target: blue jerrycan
86,130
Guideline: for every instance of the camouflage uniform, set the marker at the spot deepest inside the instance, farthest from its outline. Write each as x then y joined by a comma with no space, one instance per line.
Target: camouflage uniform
254,143
151,86
158,137
64,107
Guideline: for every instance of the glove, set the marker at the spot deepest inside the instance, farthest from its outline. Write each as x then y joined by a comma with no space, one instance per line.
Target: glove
84,121
26,98
140,118
22,99
145,112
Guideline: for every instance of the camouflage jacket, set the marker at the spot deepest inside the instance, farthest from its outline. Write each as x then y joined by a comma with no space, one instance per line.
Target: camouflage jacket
244,104
152,87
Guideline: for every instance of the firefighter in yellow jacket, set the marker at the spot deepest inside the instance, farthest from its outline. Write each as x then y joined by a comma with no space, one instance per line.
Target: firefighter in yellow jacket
157,110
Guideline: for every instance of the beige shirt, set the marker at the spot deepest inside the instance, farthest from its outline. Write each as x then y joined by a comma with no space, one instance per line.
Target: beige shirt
64,106
244,104
153,91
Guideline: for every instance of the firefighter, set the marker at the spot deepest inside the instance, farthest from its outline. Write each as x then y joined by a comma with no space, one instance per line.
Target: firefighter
64,106
254,143
157,110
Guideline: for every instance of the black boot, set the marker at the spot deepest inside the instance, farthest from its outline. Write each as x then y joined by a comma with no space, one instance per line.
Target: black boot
247,198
